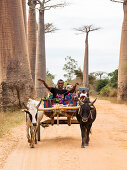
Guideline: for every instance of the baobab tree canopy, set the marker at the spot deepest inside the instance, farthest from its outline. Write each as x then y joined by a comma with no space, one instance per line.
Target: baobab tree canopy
86,29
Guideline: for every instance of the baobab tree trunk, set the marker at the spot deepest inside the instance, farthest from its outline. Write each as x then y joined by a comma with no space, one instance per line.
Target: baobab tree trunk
5,39
24,14
32,37
85,69
122,71
40,71
16,85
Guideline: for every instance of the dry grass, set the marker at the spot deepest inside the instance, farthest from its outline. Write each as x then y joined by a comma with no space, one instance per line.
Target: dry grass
111,99
9,120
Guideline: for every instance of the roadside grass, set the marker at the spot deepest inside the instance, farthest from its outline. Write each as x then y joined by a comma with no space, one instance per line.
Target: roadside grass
111,99
10,120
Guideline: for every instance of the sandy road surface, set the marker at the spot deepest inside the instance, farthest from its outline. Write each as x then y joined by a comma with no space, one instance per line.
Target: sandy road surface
59,148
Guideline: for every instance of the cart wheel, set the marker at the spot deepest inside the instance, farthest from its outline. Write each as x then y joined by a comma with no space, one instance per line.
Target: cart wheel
38,132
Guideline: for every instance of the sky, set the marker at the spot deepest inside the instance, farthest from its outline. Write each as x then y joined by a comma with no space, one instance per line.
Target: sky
104,44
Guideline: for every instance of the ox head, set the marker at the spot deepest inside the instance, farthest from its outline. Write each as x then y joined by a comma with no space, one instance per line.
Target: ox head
85,109
32,110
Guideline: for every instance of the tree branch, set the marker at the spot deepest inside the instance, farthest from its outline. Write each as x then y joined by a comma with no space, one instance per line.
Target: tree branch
54,6
49,28
44,6
47,1
121,1
39,2
86,29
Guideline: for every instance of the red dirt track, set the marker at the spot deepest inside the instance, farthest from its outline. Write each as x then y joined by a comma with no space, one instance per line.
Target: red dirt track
60,146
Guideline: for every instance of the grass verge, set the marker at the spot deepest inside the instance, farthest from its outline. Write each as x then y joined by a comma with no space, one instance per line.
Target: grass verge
9,120
111,99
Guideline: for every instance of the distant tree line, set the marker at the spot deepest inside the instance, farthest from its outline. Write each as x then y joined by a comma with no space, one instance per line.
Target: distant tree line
102,83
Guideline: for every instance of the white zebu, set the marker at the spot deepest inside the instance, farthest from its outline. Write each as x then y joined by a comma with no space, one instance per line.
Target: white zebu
33,118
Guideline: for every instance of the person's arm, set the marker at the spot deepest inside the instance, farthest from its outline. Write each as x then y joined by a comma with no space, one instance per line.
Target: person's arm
45,84
73,89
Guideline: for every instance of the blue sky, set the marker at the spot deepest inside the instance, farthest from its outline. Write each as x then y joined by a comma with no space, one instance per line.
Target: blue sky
104,44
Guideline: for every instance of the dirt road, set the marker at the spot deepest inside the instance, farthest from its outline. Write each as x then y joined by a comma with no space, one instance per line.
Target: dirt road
59,148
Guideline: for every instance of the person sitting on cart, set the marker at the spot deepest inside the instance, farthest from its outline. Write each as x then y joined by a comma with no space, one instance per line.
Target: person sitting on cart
70,95
59,93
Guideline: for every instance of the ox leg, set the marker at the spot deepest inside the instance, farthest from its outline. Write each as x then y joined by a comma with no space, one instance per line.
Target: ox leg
87,135
32,132
83,132
36,137
27,133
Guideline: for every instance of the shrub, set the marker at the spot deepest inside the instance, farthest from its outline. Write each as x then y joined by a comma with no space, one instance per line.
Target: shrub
105,91
101,83
113,93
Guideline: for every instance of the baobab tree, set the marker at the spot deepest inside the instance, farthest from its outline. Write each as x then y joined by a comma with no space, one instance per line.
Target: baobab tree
16,81
24,14
99,73
86,29
40,71
122,70
32,36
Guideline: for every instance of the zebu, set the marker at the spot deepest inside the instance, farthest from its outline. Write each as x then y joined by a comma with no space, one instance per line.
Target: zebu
86,116
33,118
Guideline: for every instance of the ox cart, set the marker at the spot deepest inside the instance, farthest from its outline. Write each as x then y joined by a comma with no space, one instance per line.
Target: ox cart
59,113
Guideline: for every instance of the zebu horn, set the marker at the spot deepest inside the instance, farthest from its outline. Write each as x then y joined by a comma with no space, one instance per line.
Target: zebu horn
80,102
92,102
25,106
39,103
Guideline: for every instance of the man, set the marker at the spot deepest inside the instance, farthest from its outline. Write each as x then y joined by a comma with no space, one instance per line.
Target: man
59,92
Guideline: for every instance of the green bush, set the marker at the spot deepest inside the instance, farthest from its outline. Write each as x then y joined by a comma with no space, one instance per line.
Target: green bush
105,91
114,78
101,83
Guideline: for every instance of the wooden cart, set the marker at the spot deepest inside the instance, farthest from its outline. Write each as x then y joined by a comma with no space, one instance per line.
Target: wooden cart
59,115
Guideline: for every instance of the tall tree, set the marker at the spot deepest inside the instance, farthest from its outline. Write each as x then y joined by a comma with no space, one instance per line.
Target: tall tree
69,67
122,70
86,29
41,58
99,73
16,82
32,36
24,14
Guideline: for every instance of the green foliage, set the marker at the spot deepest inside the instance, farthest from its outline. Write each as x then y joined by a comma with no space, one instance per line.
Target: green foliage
78,73
49,78
114,78
108,86
69,67
101,83
105,91
92,79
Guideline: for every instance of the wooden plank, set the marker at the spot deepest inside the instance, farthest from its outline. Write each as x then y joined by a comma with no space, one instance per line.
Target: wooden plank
59,108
